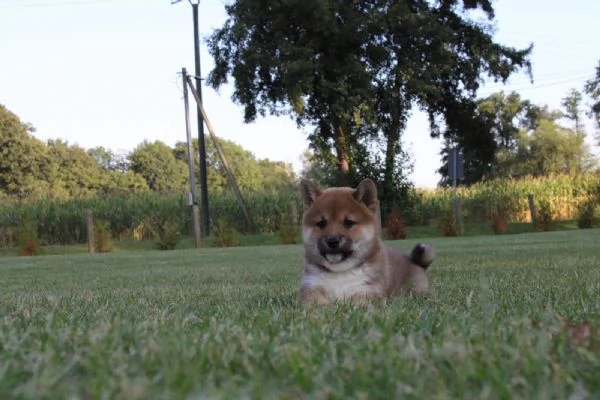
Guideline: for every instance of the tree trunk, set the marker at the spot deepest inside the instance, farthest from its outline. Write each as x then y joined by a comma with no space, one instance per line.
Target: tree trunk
341,147
392,133
393,137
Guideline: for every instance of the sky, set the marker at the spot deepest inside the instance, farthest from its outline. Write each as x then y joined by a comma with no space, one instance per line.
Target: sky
107,73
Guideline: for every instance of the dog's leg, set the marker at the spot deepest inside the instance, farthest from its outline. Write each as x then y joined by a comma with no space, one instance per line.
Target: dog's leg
364,298
314,295
419,282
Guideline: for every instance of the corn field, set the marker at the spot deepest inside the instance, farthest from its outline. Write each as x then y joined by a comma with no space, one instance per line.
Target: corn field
562,194
135,216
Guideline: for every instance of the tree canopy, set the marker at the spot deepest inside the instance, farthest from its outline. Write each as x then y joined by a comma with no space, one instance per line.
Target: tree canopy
529,139
32,169
355,70
592,88
252,174
22,157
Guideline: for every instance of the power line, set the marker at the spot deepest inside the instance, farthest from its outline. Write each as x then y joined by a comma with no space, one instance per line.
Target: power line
535,87
559,82
56,4
539,79
545,38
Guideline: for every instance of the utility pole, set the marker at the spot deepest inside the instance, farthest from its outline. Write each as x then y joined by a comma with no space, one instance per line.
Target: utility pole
205,227
190,153
456,172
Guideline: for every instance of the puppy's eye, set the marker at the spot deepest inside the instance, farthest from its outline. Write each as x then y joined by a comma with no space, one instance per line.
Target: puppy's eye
322,224
348,223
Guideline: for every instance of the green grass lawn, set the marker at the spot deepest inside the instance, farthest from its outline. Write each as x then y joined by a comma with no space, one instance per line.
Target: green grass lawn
225,323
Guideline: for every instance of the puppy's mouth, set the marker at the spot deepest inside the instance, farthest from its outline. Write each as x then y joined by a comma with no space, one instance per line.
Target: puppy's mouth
335,257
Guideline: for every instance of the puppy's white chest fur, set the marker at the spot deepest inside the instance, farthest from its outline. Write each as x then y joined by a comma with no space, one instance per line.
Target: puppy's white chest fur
342,285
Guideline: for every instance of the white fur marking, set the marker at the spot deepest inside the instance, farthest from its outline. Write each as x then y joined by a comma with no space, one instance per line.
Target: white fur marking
342,285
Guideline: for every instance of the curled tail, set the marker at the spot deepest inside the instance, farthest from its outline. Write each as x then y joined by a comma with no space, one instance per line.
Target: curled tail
422,255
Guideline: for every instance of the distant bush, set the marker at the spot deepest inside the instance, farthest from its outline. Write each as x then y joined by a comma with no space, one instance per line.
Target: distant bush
289,230
498,223
545,216
103,241
27,239
588,215
448,224
396,225
225,234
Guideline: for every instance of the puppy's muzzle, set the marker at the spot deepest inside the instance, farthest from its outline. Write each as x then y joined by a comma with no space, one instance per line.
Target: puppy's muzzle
335,244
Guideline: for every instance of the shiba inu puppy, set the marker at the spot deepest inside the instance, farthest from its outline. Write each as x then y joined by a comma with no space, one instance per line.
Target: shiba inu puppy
344,255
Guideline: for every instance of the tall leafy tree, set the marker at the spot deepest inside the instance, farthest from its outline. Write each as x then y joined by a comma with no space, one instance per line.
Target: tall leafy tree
572,105
108,159
501,118
276,175
549,149
116,175
352,69
71,169
592,89
300,58
435,58
539,144
251,174
23,158
156,163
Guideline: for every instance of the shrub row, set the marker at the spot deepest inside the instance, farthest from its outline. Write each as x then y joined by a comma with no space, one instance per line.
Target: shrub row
139,216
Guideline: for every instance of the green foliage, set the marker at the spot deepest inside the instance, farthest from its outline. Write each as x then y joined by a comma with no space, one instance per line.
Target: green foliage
71,171
33,170
225,234
552,149
162,171
252,174
57,171
108,160
23,158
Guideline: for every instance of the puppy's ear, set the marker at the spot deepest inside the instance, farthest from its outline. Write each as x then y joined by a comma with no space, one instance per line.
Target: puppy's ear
366,193
309,191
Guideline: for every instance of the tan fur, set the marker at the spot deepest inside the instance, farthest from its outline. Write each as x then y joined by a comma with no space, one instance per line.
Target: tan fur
344,255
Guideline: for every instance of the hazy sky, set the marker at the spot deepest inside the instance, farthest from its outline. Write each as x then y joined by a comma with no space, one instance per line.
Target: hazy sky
105,72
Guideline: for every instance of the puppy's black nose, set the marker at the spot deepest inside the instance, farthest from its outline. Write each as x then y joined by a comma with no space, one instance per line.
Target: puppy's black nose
333,242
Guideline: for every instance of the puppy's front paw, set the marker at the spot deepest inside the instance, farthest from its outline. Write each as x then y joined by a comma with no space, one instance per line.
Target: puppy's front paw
314,296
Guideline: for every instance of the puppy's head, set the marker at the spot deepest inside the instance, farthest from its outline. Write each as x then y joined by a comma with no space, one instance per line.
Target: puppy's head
339,225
